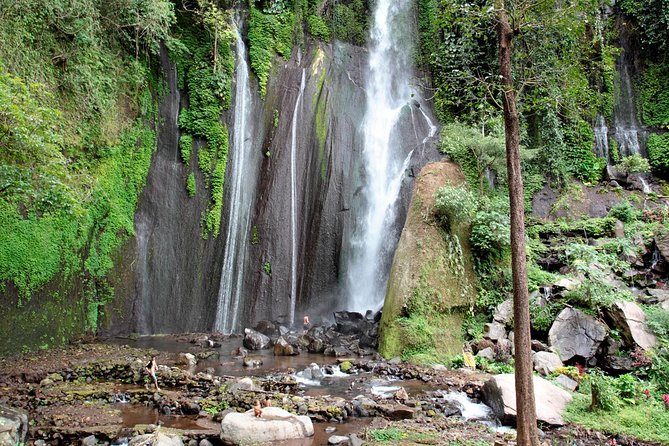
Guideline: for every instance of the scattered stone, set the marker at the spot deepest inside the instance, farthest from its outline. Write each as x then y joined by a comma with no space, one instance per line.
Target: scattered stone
566,382
336,439
546,362
156,439
486,353
330,429
504,312
283,348
631,322
659,294
206,442
251,362
354,440
439,367
268,328
89,441
499,393
242,384
568,284
395,361
55,377
397,412
13,426
619,230
239,352
539,346
46,382
401,395
575,333
254,340
494,331
187,359
275,424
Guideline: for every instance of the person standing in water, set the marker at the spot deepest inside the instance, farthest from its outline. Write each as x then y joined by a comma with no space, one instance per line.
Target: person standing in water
151,369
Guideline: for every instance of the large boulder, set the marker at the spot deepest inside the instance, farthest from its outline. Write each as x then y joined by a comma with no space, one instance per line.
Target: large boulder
275,424
662,244
13,426
574,333
432,277
504,312
630,320
499,392
254,340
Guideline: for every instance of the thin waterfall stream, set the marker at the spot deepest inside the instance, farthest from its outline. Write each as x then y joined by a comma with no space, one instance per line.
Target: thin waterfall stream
293,203
238,224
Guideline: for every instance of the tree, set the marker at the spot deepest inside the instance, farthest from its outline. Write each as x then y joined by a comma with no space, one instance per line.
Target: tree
525,407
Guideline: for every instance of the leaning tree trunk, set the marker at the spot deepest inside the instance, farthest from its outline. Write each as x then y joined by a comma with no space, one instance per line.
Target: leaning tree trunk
526,413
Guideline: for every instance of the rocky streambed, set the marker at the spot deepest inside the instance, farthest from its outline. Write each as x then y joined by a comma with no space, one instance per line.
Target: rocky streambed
99,393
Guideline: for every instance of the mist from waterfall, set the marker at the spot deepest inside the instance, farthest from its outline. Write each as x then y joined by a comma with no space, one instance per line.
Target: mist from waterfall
384,160
240,200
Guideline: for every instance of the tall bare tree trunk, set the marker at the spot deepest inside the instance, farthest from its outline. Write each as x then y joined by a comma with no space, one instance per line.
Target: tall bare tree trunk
526,412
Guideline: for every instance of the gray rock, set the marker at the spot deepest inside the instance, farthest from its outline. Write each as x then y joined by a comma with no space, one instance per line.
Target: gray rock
394,361
504,312
275,424
487,353
619,230
283,348
566,382
206,442
575,333
658,293
354,440
630,320
665,305
13,426
336,439
89,441
499,392
156,439
546,362
254,340
187,359
193,443
539,346
505,345
568,284
242,384
662,243
439,367
494,331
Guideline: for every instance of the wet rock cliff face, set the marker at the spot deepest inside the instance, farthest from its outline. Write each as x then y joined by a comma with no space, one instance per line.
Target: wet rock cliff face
309,123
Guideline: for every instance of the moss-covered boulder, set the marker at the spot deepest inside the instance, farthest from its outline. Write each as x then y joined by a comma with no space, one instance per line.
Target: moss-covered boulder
432,277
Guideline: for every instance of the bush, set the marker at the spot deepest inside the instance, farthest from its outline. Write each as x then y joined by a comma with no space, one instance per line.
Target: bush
455,205
318,28
658,152
625,212
634,164
657,319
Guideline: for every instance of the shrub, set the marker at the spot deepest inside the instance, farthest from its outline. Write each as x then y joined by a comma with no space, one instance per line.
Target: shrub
658,152
318,28
625,212
634,164
455,204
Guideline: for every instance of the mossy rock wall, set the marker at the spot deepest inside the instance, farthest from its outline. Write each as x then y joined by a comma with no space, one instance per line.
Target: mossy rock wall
432,279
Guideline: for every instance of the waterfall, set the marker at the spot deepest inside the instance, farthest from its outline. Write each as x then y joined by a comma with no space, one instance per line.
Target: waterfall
628,133
293,204
240,200
384,159
601,138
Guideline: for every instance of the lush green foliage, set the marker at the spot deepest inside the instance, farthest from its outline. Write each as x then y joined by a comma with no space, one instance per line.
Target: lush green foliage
634,164
455,205
658,152
652,19
209,93
478,155
269,34
654,95
350,21
191,186
318,28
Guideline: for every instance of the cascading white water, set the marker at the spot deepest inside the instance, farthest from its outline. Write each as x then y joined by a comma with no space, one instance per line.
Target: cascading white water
627,130
293,203
601,138
238,224
389,91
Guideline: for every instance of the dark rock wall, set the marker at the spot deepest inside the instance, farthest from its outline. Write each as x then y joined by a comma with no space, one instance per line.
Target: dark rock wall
169,277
